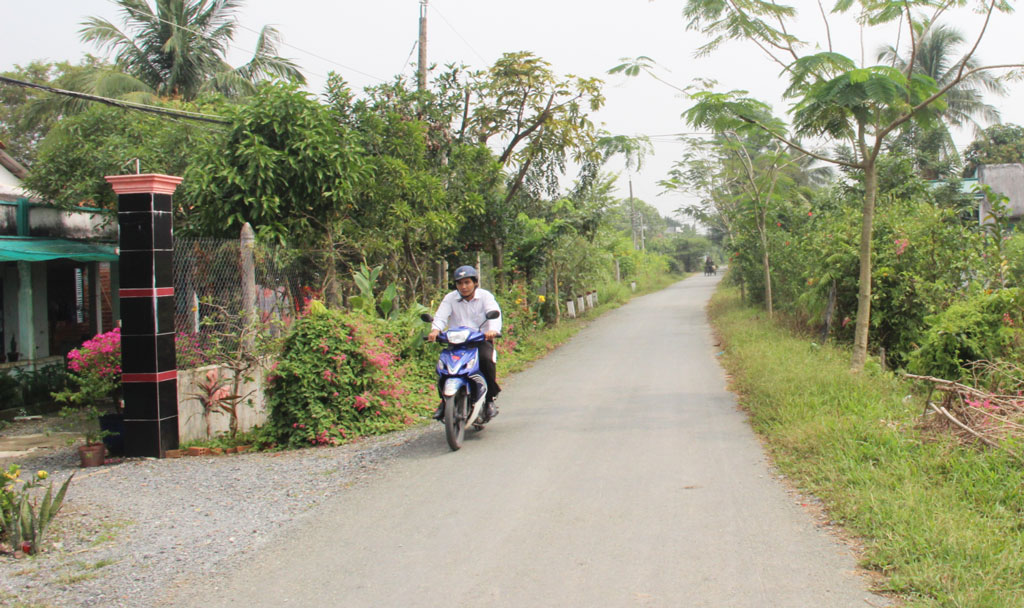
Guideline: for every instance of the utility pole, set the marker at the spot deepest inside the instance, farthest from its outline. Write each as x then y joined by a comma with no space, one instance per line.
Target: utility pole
632,212
421,73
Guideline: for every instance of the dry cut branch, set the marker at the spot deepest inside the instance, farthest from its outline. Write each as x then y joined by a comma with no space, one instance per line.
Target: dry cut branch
991,411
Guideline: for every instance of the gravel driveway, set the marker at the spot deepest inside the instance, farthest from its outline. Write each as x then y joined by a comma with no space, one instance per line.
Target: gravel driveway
129,530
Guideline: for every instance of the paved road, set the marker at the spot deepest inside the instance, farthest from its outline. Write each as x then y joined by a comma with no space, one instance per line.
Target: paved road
620,473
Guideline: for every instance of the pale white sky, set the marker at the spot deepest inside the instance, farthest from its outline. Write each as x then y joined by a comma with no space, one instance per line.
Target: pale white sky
371,40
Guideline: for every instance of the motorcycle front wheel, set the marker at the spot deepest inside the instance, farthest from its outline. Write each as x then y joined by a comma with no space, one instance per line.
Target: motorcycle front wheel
455,420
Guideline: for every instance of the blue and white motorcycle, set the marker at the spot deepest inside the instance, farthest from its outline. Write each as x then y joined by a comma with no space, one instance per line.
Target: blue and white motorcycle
460,382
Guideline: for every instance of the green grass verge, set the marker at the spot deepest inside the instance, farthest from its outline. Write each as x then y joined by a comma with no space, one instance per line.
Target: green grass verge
944,523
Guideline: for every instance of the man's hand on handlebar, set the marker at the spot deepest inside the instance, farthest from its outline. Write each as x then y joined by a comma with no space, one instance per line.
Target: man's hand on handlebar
432,336
490,335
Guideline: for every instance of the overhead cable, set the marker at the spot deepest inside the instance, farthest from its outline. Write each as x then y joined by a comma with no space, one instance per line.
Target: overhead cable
439,14
119,103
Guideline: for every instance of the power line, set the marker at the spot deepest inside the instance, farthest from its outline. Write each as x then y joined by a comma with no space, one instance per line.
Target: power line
439,14
118,103
409,58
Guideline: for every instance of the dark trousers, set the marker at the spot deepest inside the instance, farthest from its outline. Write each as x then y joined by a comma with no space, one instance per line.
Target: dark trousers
488,369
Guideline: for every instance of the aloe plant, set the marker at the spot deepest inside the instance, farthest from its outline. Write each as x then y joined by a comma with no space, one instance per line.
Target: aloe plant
26,523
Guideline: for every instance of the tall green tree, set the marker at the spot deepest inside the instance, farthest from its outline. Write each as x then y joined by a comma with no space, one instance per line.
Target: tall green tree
76,153
287,167
27,115
834,98
936,56
177,48
539,122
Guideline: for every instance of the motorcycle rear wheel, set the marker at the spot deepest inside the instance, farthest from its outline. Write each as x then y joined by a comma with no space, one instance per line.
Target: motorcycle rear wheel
455,420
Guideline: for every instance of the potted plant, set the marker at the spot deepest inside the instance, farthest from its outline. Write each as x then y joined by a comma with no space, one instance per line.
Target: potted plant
93,452
96,378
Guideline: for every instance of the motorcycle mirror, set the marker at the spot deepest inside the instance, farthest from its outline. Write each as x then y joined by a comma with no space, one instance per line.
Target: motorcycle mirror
426,317
493,314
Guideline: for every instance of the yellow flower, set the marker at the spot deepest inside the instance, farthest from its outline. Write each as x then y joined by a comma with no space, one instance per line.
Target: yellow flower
541,299
42,474
519,300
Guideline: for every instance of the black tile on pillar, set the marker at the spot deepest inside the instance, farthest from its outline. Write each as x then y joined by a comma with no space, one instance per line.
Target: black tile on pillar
163,268
167,393
136,269
136,231
138,352
165,314
141,401
138,316
166,357
137,201
142,438
169,433
162,202
163,232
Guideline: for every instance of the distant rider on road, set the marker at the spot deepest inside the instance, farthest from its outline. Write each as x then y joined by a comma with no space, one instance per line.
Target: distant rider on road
467,307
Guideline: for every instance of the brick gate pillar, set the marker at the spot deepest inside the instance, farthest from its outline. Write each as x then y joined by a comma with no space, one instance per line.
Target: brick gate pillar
149,375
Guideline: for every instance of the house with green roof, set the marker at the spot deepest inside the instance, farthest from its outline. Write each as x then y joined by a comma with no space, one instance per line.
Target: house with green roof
57,267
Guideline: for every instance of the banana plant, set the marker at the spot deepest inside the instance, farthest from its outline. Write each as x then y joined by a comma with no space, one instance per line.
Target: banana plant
385,303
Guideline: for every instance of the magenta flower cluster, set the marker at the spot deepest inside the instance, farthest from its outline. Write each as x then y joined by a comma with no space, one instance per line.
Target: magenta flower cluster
100,356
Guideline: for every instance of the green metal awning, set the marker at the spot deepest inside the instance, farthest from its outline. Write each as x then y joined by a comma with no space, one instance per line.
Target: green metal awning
36,249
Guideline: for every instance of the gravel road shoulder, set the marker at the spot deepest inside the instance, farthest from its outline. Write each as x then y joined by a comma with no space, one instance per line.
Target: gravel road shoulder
128,530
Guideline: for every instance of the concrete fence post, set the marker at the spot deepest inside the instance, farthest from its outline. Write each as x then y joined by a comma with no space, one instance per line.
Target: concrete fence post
248,264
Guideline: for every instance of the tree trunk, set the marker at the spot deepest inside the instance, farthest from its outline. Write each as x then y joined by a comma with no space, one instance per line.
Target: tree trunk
767,266
860,338
498,255
829,311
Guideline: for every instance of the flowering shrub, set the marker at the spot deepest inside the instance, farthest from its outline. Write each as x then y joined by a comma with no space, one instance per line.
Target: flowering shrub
188,351
984,327
341,375
95,370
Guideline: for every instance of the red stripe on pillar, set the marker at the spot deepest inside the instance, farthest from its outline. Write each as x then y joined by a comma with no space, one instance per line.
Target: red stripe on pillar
157,377
146,292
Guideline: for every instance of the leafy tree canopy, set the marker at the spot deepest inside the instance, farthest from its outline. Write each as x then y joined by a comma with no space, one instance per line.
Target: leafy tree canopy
997,144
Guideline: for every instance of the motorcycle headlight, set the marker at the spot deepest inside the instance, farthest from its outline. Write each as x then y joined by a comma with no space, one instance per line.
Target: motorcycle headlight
458,336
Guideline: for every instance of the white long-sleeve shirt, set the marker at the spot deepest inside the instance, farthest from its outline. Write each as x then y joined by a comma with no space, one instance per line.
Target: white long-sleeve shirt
455,311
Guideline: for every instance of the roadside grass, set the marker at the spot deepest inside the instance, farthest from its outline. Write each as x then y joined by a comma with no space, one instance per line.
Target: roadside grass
944,523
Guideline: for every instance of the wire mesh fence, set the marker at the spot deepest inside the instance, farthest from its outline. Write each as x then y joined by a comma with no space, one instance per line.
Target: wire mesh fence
216,283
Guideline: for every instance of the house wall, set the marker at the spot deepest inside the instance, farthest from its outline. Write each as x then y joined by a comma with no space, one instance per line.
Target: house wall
1006,179
8,179
46,221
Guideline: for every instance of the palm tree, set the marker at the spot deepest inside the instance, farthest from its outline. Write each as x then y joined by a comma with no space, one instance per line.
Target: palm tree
178,49
935,56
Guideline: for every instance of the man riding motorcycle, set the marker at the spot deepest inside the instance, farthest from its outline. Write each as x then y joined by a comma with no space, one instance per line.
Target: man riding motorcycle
467,307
